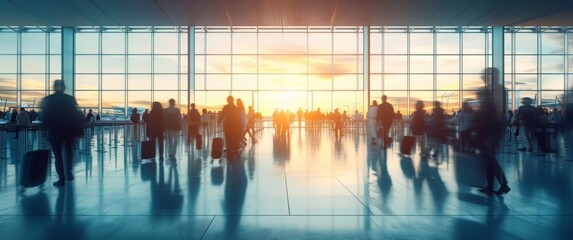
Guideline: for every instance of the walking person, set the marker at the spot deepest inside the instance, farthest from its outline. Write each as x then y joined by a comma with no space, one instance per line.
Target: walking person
465,122
145,119
527,117
135,121
231,125
62,121
372,123
418,126
193,121
172,127
242,120
205,121
299,115
22,121
337,120
156,127
437,129
385,117
251,125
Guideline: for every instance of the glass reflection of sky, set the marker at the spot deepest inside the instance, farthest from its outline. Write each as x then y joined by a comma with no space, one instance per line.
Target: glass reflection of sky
303,69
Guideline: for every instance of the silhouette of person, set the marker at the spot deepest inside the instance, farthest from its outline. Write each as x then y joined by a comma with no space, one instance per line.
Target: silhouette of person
60,117
156,126
134,120
418,126
22,121
251,124
527,117
299,115
172,127
385,116
231,125
371,122
193,121
337,120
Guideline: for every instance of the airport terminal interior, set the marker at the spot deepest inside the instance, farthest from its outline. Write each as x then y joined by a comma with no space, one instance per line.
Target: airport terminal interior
306,68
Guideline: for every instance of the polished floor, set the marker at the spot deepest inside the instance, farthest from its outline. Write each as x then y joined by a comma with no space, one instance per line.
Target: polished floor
305,186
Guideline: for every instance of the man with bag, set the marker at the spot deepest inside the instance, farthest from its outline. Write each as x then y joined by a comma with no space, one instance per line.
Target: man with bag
62,120
384,117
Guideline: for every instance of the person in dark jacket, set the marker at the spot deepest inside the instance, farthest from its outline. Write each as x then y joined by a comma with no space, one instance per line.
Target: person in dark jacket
172,127
231,125
156,127
385,117
337,121
193,121
135,121
527,117
61,119
13,116
418,125
145,119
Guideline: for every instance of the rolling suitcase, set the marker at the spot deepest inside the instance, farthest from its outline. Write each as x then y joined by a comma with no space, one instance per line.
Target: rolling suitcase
217,148
198,141
147,150
407,144
35,168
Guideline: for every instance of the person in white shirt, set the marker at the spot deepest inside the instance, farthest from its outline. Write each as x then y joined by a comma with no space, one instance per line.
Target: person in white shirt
371,121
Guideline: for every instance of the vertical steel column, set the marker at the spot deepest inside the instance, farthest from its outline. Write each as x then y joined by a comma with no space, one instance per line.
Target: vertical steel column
497,62
68,59
191,65
366,66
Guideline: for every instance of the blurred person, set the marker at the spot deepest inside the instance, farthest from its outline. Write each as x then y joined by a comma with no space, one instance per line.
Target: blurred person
134,120
489,130
172,127
557,120
419,128
242,120
465,122
193,122
22,121
230,117
33,115
205,121
13,115
276,121
385,117
437,129
372,123
62,120
337,120
299,115
527,117
145,120
251,125
156,127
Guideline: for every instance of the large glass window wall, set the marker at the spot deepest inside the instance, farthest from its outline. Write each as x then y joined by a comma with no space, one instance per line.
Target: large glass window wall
117,68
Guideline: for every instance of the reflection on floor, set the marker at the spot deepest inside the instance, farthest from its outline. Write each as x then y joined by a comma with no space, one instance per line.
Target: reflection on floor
305,186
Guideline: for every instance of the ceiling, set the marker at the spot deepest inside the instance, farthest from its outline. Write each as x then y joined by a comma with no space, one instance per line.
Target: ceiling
286,12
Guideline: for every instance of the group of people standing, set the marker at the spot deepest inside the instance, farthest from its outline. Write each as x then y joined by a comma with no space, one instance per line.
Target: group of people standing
379,121
237,123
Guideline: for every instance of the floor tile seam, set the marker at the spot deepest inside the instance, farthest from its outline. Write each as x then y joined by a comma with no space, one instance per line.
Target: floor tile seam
208,226
369,210
286,188
284,215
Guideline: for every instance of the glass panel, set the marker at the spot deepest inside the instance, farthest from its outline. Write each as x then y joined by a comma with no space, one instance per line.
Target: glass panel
166,43
474,64
427,97
474,43
472,82
139,43
139,82
450,101
344,64
344,82
448,43
295,63
87,98
33,43
166,63
55,43
398,99
395,82
320,43
245,43
320,82
525,82
199,43
8,43
294,43
271,82
244,64
421,43
395,43
113,64
375,82
507,43
200,64
139,99
421,82
218,43
526,43
552,64
552,82
552,43
421,64
244,82
33,81
87,43
320,64
165,82
448,64
113,43
113,99
215,100
322,100
549,99
525,64
86,82
218,82
164,96
395,64
347,101
32,99
113,82
9,63
218,64
345,43
376,64
86,64
55,63
8,82
448,82
199,82
375,43
33,64
139,64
